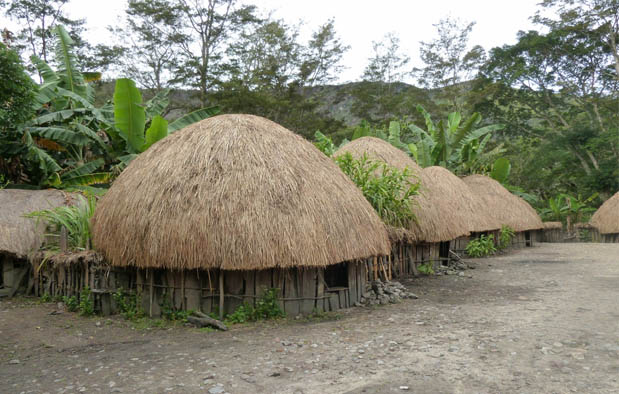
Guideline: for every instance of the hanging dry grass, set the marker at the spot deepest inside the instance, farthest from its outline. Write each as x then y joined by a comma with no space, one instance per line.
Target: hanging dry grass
606,218
509,209
553,225
236,192
21,236
436,220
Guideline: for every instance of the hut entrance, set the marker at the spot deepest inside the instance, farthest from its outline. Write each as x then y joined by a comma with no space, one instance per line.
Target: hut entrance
443,253
336,275
527,238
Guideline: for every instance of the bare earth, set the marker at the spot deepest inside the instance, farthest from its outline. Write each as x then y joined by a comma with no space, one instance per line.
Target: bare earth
538,320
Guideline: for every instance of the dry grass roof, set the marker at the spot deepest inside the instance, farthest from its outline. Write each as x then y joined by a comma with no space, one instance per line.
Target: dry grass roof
235,192
20,236
436,221
454,197
507,208
606,218
553,225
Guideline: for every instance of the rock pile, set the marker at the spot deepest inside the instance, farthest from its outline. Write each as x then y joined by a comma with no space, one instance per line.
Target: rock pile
453,268
382,293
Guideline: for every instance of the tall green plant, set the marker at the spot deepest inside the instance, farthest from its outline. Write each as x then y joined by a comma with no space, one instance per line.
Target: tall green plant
388,189
75,218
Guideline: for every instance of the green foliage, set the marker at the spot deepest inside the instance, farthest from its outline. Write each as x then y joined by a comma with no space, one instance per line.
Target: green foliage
170,313
426,268
388,189
266,308
75,218
324,144
46,298
86,305
500,169
16,90
71,303
564,206
505,236
128,304
482,246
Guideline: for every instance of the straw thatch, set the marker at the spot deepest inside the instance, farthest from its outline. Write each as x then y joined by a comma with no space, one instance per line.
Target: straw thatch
436,220
606,218
20,236
455,197
507,208
553,225
235,192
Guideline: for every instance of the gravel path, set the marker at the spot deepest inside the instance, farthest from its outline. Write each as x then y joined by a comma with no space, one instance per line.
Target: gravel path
538,320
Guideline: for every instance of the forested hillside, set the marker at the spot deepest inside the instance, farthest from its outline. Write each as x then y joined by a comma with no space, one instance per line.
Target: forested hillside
542,114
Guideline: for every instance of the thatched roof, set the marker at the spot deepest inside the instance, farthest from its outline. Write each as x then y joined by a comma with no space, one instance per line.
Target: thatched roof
436,220
507,208
457,199
606,218
553,225
20,236
235,192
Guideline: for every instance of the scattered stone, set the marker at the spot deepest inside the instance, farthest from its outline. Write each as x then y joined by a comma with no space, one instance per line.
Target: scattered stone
218,389
286,343
14,361
247,378
404,388
274,374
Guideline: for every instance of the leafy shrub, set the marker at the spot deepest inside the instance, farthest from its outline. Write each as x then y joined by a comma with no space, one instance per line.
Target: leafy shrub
426,268
86,305
71,303
388,189
324,144
266,308
483,246
75,218
46,298
505,236
128,305
168,312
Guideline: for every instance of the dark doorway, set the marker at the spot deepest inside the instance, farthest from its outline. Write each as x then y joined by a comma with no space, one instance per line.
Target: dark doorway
527,238
336,275
443,253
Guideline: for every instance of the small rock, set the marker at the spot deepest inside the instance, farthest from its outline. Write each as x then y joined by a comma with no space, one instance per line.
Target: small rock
14,361
216,389
461,274
274,374
404,388
247,378
288,369
286,343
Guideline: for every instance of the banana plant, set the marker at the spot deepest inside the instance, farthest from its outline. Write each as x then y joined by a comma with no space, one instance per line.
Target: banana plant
452,143
140,125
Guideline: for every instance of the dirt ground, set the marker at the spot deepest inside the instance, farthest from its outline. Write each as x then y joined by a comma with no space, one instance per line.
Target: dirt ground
537,320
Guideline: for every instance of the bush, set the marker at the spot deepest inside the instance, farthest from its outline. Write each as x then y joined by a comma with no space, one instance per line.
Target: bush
128,305
86,305
505,236
388,189
483,246
71,303
266,308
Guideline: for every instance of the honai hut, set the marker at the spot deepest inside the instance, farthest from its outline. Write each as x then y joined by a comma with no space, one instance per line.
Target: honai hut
454,197
552,232
425,241
21,237
217,213
508,209
606,220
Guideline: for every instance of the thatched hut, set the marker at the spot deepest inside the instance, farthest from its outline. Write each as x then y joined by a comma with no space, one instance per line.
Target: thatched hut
440,218
507,208
606,220
21,237
219,211
552,232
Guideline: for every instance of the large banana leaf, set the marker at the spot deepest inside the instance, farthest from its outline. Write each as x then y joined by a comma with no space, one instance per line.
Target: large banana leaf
68,71
129,116
86,180
61,135
478,133
46,163
85,169
157,104
395,134
192,117
500,169
158,130
91,134
49,76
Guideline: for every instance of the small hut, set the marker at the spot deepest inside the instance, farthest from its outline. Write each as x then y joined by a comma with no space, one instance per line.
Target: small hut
440,218
552,232
507,208
218,212
606,220
21,237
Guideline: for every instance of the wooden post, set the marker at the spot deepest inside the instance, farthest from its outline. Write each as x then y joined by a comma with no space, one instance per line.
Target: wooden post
150,293
221,295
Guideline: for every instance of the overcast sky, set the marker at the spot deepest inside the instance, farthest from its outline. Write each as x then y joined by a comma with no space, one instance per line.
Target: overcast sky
360,22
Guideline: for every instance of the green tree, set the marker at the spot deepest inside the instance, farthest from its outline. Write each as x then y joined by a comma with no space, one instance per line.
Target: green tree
450,62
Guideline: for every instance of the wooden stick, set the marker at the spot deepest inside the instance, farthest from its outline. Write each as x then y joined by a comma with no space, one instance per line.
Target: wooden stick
382,266
221,294
150,293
